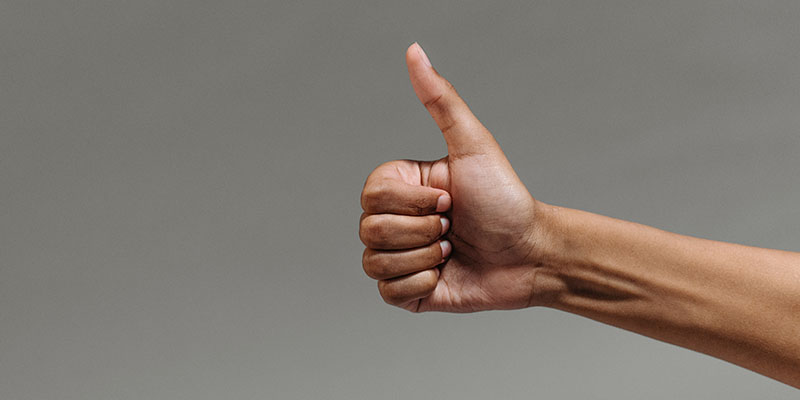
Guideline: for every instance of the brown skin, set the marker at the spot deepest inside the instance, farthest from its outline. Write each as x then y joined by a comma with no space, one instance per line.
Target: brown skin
499,248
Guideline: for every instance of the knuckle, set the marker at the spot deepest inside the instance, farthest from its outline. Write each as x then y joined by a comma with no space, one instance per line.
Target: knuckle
372,195
435,104
374,265
421,206
368,197
374,232
449,127
389,293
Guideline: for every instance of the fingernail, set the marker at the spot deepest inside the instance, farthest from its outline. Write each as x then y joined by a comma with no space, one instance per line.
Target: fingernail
424,56
443,203
445,224
446,248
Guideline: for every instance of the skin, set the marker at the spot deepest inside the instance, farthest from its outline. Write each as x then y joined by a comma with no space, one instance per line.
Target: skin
463,234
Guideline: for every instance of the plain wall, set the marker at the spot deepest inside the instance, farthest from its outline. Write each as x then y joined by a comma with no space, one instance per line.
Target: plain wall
179,185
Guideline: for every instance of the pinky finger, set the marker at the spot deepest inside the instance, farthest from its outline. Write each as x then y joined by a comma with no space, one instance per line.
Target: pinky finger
406,291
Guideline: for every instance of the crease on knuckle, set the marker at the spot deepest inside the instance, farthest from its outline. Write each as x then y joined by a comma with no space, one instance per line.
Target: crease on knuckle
373,194
375,233
435,103
375,265
389,293
422,206
449,127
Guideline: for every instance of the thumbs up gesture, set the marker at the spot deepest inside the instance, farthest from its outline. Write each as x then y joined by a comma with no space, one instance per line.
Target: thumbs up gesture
459,234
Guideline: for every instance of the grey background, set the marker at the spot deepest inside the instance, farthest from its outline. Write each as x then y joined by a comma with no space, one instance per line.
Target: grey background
179,187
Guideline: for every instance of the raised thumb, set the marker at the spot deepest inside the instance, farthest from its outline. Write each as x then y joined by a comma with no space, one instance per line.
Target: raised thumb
462,131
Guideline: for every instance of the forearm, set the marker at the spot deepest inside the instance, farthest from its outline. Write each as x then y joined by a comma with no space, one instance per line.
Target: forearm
734,302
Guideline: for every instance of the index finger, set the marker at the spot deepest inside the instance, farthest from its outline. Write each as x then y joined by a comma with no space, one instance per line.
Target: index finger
390,196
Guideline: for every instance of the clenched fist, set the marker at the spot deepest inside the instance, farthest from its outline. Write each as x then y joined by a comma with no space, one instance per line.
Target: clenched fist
458,234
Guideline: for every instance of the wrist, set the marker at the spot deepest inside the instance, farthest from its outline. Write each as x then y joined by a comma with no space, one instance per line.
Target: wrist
578,257
549,250
707,296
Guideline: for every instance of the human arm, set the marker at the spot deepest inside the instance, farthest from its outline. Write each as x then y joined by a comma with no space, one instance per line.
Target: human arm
734,302
463,234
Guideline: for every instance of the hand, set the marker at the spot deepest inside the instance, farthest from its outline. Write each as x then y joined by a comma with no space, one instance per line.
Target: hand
458,234
462,234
